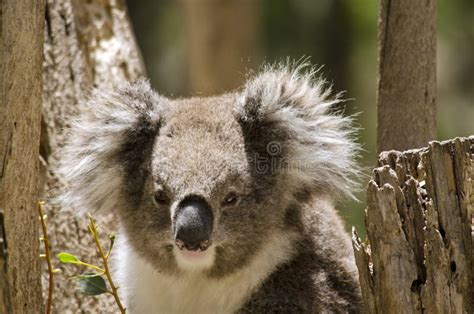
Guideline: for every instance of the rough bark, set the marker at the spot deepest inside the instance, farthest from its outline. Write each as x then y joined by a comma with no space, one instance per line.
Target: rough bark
223,40
87,44
406,93
418,256
22,24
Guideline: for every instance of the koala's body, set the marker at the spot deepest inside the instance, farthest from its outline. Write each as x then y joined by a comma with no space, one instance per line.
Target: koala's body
225,203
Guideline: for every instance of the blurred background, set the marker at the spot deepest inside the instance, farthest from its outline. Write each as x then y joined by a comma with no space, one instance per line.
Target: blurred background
205,47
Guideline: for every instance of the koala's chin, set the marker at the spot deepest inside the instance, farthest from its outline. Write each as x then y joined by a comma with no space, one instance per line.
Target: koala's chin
225,203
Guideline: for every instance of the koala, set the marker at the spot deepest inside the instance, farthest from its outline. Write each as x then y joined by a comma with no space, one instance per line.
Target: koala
225,203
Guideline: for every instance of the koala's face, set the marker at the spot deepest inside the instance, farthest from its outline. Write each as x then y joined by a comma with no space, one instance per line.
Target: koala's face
211,200
204,184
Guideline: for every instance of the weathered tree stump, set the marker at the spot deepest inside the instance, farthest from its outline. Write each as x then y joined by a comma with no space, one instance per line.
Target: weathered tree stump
418,256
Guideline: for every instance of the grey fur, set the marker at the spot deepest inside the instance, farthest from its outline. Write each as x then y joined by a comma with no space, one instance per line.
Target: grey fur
131,142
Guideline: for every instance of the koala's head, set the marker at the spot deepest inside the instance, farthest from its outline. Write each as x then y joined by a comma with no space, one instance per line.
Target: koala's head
206,183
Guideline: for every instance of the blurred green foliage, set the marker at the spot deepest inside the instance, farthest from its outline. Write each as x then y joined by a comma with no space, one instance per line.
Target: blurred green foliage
342,36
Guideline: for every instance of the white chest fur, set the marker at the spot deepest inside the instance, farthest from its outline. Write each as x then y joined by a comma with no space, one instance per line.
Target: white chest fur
148,291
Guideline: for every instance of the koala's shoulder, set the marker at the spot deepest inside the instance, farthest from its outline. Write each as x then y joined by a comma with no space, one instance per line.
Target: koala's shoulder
320,277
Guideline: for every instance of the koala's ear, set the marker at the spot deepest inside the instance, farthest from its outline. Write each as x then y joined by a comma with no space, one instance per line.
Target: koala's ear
108,145
318,147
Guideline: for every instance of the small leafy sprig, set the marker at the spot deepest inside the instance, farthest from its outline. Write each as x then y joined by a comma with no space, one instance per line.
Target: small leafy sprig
93,282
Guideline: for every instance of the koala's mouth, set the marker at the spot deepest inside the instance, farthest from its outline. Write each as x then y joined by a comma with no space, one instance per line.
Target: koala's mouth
199,246
196,254
194,259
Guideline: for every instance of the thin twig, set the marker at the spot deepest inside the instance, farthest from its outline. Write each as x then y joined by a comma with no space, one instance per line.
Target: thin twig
47,256
95,234
81,263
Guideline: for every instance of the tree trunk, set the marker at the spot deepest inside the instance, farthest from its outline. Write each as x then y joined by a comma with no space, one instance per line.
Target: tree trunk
87,44
22,24
418,258
406,94
223,40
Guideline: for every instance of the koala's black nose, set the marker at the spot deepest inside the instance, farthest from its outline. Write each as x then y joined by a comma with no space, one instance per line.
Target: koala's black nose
193,224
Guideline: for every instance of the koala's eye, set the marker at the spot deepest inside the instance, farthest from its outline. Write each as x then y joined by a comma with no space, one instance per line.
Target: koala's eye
230,199
160,197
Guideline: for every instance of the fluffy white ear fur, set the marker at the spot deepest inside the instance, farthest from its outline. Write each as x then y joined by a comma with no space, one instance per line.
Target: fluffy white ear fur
321,146
90,160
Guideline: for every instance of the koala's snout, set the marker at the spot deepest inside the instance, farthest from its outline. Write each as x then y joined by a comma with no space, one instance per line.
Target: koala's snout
193,224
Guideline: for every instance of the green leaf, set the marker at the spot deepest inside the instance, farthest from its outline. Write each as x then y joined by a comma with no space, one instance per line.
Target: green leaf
67,258
91,283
